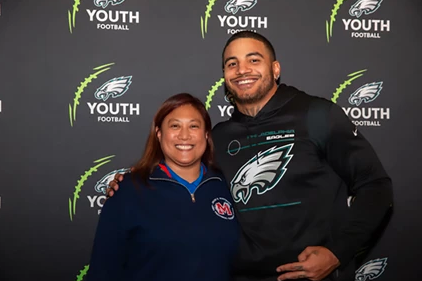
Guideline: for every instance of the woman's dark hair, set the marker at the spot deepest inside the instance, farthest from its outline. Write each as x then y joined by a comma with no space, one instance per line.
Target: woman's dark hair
153,153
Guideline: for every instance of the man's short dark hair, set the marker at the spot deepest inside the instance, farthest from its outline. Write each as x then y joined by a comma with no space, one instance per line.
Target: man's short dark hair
252,35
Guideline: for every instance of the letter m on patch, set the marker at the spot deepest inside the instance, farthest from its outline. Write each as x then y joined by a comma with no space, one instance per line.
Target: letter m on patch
223,209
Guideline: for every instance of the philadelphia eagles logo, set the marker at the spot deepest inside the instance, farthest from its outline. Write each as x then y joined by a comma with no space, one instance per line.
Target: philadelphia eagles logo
364,7
114,88
371,270
233,6
104,3
102,184
262,172
366,93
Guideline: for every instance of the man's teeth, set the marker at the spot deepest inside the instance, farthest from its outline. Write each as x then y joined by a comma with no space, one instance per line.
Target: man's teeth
245,82
184,146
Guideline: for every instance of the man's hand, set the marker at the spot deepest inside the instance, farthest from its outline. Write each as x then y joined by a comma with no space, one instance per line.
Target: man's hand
113,186
315,263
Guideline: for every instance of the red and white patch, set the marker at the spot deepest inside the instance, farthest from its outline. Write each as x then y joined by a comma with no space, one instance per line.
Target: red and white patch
222,208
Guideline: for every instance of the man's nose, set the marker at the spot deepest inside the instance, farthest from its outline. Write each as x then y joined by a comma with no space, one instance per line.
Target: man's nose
243,68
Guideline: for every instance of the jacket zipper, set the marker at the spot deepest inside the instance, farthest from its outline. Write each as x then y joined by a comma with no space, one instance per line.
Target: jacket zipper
192,195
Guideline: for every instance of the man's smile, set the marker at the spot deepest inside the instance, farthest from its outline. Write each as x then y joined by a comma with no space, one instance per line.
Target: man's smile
245,82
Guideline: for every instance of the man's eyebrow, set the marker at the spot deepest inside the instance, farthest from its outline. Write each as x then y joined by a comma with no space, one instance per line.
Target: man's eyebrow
248,55
255,54
229,58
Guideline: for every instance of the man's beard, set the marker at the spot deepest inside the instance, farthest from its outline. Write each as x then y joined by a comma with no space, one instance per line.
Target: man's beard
263,90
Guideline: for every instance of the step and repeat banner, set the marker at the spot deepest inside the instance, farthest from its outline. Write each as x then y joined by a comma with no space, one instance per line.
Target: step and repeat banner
80,81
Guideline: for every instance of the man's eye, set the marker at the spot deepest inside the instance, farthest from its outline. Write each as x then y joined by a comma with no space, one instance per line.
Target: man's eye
231,64
254,60
174,126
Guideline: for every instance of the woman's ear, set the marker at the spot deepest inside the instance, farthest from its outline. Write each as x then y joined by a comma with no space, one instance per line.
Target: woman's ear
158,133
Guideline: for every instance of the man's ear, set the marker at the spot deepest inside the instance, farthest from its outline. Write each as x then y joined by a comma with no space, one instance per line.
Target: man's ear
158,133
276,69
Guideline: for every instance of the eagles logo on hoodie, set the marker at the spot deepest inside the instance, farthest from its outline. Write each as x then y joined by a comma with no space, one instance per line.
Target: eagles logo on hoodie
261,173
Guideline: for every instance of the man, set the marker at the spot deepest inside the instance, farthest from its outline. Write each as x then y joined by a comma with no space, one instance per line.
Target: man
292,160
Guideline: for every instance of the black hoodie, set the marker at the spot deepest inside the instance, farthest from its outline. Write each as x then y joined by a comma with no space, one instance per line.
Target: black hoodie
290,170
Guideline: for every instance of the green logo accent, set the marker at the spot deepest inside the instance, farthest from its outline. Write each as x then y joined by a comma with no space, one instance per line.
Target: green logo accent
204,21
329,25
80,89
346,83
82,273
212,91
81,181
72,16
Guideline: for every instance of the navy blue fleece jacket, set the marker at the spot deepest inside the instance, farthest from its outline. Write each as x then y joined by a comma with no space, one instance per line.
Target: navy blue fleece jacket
163,232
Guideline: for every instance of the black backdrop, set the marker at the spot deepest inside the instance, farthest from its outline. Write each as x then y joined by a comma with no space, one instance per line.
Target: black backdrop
58,142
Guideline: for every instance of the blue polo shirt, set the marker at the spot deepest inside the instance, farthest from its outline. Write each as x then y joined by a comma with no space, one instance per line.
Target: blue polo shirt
190,186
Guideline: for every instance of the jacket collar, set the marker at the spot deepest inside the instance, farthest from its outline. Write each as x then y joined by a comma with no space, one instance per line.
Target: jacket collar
161,172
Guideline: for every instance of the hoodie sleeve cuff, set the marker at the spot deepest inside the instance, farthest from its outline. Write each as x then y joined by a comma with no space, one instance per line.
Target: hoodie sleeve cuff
345,251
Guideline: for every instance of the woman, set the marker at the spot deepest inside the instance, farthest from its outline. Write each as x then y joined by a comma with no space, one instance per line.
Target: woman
173,218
